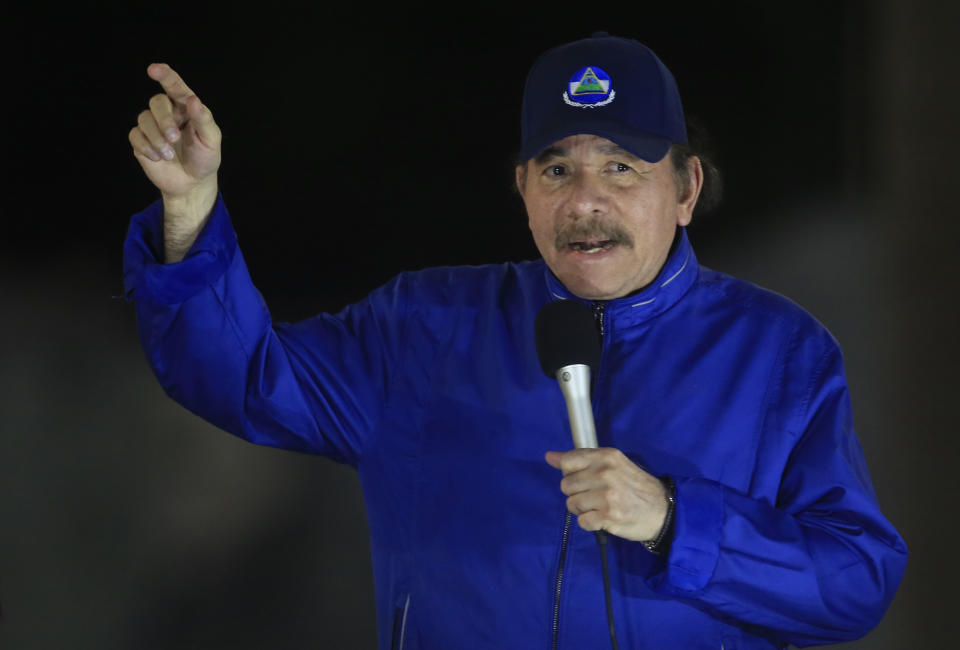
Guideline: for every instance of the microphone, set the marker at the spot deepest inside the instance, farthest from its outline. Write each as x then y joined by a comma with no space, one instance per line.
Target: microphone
569,345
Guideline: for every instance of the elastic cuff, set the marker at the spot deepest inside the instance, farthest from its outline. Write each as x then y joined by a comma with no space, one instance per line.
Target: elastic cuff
146,277
695,548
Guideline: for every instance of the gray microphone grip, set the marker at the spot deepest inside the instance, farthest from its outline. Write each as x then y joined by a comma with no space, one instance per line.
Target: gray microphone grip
575,385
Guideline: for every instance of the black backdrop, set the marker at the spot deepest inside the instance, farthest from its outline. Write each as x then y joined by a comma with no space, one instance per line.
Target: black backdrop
358,144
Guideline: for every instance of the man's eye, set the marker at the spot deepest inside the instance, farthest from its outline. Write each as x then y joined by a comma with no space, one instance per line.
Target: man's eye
621,167
556,170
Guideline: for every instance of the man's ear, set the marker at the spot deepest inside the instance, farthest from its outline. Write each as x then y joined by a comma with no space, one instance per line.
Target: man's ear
687,196
521,178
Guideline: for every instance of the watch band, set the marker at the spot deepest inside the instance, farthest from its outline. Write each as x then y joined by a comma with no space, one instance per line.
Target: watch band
660,543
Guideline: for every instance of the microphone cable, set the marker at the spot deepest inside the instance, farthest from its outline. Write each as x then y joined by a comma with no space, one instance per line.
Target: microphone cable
657,545
602,542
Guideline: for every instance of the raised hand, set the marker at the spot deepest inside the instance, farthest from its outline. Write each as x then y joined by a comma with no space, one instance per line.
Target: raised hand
177,143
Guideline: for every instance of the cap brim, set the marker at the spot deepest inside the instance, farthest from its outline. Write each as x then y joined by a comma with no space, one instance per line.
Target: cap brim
651,148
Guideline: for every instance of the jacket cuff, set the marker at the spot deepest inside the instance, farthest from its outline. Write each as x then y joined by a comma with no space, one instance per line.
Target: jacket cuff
695,548
146,277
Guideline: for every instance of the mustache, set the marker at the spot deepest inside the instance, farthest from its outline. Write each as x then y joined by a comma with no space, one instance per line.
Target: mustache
591,230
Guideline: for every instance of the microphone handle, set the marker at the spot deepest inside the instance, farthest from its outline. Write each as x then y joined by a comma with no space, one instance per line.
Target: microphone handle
575,385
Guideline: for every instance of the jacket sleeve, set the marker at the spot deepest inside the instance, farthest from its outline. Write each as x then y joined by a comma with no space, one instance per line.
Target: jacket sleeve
317,386
821,563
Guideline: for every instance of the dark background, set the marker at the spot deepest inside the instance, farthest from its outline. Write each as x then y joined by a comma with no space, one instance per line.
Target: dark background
358,144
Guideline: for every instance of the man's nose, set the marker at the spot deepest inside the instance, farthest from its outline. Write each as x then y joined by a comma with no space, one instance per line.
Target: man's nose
587,196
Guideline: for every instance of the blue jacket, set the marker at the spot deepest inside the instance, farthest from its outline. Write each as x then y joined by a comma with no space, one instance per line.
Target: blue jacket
431,388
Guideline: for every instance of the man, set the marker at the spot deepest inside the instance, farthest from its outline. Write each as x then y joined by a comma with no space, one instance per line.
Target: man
729,476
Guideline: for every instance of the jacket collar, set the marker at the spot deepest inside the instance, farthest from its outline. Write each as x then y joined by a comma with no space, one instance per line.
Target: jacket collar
673,281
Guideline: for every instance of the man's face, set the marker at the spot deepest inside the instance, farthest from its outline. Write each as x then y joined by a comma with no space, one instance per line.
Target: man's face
602,218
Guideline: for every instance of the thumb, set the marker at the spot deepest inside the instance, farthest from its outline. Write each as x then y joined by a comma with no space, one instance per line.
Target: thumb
554,458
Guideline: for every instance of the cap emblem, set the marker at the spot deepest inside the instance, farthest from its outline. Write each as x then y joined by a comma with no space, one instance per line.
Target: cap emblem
589,87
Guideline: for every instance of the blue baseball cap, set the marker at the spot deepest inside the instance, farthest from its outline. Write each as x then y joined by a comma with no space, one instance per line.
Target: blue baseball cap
605,85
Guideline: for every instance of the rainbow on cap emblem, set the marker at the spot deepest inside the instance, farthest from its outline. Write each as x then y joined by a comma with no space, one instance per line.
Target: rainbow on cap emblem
589,87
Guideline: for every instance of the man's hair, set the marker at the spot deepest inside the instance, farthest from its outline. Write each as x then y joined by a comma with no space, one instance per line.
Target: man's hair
680,154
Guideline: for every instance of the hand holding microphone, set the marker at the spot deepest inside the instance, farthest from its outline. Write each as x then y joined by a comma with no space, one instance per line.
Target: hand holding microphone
606,490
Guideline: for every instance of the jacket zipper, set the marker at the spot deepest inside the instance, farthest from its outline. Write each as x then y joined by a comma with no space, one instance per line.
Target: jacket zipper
556,593
598,313
598,309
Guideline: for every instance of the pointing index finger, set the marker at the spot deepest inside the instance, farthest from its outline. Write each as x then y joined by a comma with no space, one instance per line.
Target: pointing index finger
172,84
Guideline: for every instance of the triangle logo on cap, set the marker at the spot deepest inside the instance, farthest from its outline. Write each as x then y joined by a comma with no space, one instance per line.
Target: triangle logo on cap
589,87
589,84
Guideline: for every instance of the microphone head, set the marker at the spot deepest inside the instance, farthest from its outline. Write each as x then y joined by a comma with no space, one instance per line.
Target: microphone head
567,334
